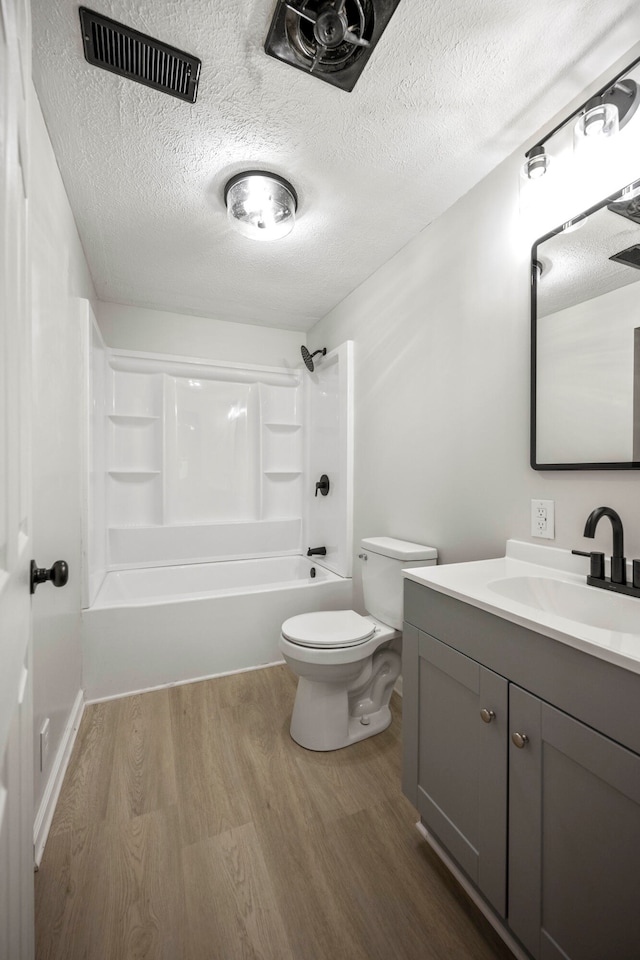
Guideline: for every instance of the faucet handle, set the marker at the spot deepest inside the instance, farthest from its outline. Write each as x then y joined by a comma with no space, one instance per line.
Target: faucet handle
596,567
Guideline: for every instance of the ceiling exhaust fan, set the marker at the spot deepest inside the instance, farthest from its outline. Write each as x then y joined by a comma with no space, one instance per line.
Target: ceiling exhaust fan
330,39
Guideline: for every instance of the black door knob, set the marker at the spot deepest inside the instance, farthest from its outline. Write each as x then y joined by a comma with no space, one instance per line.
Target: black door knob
58,574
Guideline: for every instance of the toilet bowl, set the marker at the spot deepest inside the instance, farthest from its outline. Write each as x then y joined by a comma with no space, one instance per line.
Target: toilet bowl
347,664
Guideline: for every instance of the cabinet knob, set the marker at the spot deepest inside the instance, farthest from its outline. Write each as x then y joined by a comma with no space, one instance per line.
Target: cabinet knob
520,739
487,715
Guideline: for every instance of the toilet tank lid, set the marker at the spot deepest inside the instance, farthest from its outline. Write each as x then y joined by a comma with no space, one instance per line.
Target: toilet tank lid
399,549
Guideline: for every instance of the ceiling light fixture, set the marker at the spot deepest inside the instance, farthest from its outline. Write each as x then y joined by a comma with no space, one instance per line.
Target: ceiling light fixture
261,205
602,115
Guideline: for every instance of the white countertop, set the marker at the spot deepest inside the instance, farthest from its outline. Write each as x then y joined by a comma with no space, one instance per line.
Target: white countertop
596,616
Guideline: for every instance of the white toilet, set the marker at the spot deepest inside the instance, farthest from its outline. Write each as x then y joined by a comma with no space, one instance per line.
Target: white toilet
348,664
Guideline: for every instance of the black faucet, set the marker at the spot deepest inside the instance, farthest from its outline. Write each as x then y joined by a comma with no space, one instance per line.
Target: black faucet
618,579
618,561
317,551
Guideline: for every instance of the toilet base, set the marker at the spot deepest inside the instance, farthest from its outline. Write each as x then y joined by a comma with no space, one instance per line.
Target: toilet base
329,716
321,720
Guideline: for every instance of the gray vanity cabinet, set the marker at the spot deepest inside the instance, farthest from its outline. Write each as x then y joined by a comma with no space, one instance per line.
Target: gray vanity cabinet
538,806
462,762
574,837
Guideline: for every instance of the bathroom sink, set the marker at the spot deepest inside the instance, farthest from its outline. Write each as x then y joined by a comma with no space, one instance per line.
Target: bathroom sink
545,589
574,601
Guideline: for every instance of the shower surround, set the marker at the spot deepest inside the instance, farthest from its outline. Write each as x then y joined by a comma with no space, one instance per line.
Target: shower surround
191,462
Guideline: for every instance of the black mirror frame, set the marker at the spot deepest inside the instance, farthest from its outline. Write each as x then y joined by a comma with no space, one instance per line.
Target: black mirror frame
625,465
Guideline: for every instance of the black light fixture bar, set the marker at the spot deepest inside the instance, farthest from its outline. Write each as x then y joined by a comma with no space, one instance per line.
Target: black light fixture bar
594,96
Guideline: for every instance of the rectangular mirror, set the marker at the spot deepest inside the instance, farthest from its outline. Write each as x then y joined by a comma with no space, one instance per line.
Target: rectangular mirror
585,339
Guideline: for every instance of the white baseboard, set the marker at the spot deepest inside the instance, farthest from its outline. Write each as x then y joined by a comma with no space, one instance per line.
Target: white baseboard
181,683
49,800
471,891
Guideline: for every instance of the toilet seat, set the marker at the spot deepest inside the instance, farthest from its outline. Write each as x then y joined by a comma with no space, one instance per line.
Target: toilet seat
328,629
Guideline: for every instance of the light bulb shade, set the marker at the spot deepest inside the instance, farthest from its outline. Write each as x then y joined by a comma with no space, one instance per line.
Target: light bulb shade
600,119
576,224
630,192
536,164
261,205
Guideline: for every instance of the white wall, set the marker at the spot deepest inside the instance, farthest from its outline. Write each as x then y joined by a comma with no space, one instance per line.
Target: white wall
154,331
441,342
59,276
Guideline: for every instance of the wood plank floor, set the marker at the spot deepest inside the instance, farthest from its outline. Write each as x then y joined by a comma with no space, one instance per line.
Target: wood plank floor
191,827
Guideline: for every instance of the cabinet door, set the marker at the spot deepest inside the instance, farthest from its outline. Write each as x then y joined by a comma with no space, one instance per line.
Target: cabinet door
462,763
574,841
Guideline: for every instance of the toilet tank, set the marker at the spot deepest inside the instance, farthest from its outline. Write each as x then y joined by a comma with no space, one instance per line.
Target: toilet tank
382,581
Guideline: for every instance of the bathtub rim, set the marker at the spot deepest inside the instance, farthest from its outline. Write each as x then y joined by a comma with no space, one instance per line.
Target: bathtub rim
328,576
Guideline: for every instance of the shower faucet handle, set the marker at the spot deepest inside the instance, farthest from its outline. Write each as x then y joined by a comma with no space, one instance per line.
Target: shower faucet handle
322,485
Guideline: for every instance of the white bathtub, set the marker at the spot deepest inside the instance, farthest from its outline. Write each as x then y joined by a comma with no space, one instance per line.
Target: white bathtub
151,627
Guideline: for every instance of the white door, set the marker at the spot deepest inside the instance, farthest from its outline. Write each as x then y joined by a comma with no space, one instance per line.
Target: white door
16,767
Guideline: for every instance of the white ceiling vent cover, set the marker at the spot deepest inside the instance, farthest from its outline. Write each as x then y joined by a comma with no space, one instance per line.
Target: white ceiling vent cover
119,49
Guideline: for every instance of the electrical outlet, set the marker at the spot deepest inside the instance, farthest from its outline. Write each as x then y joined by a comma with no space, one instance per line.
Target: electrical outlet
543,519
44,744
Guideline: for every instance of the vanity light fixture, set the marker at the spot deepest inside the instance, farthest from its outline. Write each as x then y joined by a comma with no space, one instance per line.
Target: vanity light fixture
630,192
600,119
536,164
602,115
610,111
260,205
571,225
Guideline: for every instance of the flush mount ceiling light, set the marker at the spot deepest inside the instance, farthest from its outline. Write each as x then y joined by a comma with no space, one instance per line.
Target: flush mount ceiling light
261,205
602,115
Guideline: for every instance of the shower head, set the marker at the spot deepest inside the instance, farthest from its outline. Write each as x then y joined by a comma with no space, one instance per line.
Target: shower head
308,357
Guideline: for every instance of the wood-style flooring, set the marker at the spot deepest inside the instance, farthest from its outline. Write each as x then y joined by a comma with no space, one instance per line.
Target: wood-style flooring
191,827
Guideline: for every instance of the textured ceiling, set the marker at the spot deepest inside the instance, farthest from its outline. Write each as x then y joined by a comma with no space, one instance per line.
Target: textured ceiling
451,89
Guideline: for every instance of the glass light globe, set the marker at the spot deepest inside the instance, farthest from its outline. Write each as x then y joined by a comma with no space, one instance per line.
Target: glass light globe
536,164
260,205
600,120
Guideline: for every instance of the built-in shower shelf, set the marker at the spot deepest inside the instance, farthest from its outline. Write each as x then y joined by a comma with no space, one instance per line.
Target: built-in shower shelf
282,473
133,474
280,425
131,419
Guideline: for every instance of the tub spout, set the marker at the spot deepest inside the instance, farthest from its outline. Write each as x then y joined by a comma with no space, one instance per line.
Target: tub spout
317,551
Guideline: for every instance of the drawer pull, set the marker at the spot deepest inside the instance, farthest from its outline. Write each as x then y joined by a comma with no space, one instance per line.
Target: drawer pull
520,739
487,715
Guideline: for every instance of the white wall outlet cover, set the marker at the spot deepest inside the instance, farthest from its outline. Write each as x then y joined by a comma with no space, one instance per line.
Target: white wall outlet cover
543,519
